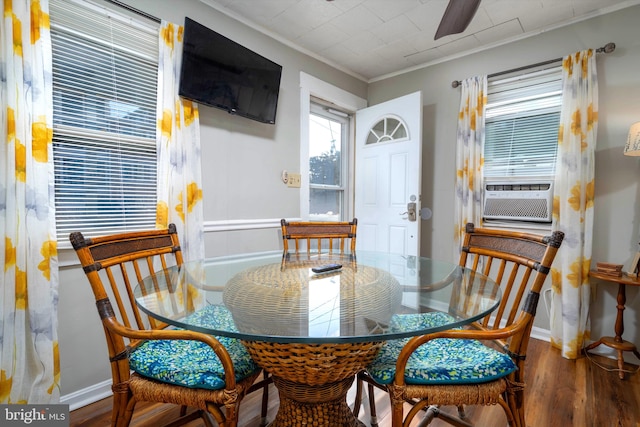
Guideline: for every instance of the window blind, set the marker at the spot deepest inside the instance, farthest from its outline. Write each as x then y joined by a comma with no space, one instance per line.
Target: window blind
522,118
104,119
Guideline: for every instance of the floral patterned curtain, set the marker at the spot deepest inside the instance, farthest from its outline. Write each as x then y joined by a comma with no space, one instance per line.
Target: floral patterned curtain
29,358
179,169
573,203
469,157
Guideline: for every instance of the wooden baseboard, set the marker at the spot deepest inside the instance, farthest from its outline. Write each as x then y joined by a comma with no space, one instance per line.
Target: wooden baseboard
88,395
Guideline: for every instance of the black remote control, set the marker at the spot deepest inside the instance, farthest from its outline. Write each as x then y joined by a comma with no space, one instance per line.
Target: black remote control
326,268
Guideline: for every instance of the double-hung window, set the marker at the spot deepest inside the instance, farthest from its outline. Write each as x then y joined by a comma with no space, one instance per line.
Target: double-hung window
522,119
104,119
328,174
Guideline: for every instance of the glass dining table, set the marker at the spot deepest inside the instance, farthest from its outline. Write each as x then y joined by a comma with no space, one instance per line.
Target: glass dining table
314,331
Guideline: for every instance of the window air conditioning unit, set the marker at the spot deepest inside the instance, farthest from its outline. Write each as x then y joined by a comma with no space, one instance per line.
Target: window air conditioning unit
518,201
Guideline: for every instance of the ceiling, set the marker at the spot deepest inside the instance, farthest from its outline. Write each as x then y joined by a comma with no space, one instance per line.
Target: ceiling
371,39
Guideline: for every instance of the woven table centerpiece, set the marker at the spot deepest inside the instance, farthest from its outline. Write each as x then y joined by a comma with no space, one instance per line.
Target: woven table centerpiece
275,301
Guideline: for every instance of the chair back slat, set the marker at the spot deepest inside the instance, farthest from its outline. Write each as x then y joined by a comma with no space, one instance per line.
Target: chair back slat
508,284
141,273
115,291
129,288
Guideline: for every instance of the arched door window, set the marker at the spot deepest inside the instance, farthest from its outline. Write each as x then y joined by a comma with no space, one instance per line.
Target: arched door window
388,129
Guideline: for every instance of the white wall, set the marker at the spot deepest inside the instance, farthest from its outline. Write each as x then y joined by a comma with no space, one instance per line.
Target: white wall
617,191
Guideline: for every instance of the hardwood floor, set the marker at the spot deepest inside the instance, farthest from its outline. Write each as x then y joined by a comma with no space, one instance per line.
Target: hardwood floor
560,393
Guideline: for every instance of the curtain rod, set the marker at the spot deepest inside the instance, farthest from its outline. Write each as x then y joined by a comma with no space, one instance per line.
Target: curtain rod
134,10
608,48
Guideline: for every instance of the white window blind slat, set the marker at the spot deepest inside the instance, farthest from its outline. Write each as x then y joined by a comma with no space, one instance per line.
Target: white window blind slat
105,27
104,88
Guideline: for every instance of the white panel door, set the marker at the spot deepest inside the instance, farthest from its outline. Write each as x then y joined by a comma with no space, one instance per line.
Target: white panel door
387,175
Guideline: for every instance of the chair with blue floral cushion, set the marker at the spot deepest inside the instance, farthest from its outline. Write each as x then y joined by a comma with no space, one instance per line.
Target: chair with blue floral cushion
150,361
479,365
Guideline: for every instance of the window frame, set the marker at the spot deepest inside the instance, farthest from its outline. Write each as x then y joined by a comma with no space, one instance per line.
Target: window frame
81,22
540,89
501,91
312,87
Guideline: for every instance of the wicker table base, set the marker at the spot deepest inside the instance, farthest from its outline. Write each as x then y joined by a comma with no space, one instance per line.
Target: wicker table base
313,380
327,405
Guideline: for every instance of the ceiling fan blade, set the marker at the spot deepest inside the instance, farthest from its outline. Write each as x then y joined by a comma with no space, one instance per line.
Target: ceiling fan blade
457,17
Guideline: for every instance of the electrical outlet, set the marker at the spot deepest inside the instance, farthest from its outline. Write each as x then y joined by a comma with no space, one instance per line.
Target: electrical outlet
293,180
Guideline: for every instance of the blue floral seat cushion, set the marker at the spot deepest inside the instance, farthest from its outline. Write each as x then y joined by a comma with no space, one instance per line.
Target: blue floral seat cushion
440,361
412,322
192,363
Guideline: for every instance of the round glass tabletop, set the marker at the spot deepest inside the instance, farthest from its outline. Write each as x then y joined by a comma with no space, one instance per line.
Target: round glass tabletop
374,297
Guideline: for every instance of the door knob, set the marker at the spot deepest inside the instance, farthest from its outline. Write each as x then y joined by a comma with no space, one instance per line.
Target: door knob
411,211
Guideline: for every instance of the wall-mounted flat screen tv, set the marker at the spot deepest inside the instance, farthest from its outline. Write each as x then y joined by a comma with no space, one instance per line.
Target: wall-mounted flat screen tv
219,72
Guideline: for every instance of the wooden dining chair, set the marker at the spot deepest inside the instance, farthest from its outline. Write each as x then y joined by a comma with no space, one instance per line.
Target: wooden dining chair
150,362
480,365
318,237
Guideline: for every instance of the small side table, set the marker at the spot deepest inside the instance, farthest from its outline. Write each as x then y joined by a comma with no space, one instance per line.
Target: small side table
617,343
